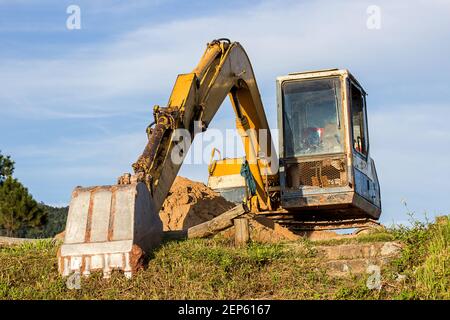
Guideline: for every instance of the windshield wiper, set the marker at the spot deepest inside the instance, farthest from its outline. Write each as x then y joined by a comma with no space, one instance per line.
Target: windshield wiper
336,105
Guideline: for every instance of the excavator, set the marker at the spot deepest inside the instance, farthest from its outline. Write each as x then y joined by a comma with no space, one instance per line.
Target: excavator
323,177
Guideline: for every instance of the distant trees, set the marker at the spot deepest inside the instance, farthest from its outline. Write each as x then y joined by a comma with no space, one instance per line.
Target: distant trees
56,222
6,167
18,209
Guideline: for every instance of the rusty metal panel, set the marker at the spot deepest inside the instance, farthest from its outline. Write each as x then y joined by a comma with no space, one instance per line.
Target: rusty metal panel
326,173
315,200
109,227
123,224
77,216
100,220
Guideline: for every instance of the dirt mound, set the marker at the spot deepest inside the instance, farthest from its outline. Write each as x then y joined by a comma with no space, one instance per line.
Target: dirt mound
264,230
60,236
190,203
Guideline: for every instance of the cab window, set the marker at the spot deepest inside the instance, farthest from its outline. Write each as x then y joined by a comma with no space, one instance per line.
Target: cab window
311,117
359,122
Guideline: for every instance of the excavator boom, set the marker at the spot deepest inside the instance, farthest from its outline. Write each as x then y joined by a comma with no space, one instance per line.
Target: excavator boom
111,227
224,69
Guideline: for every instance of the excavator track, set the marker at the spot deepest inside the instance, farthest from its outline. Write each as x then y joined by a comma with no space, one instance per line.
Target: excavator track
306,222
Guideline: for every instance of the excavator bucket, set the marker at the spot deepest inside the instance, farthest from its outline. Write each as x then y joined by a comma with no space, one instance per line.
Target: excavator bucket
109,227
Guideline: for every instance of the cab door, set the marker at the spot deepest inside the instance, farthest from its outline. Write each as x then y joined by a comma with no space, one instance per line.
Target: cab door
365,177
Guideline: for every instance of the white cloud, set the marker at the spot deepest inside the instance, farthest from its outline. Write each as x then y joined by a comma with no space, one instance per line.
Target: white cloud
280,38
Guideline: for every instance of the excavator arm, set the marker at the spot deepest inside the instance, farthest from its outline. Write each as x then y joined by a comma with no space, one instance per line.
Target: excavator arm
224,69
111,227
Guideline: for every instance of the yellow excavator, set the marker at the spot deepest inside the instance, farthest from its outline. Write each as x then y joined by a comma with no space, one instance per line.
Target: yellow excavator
323,178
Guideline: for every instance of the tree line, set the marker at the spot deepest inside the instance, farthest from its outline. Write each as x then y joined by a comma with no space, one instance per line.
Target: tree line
20,214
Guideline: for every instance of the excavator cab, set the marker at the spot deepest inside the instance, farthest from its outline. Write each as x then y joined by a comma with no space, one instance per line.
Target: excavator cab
325,166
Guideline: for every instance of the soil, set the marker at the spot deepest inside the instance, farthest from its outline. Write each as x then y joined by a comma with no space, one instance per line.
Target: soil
190,203
264,230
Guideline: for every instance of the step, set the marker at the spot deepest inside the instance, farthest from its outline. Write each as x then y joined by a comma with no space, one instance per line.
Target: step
345,267
360,250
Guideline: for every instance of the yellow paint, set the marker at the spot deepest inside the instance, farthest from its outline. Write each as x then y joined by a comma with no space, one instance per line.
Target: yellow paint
181,89
225,167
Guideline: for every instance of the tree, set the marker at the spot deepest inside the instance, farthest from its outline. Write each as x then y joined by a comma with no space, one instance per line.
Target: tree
6,167
18,209
55,223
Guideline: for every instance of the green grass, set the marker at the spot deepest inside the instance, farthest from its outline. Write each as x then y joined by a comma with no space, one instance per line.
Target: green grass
424,265
215,269
193,269
428,264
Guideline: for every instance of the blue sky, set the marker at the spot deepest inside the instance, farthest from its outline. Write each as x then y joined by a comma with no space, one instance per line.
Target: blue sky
74,104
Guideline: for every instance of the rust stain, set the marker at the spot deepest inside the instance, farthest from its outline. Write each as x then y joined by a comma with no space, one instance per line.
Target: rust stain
87,236
60,260
136,258
75,192
112,214
83,263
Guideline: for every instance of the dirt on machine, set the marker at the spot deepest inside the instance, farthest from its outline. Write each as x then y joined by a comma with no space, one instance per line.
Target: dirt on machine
323,177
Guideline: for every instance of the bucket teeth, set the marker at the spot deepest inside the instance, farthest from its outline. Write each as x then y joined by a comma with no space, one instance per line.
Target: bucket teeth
109,228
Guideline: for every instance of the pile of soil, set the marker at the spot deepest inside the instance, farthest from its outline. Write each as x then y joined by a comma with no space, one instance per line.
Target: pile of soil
264,230
190,203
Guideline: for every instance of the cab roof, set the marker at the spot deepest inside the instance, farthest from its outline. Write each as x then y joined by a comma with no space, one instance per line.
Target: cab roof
319,74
